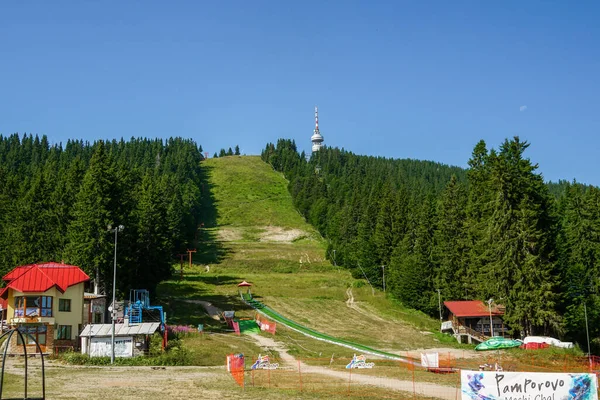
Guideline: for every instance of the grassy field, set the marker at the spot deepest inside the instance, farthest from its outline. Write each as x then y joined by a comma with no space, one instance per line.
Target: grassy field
252,232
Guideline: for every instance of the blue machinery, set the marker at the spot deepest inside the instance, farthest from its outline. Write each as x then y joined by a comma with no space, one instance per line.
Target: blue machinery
139,309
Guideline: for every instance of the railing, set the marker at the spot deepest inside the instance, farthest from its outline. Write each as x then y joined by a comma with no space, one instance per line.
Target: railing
460,329
478,335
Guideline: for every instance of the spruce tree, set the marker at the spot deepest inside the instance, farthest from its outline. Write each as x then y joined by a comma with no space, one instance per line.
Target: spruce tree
90,245
451,242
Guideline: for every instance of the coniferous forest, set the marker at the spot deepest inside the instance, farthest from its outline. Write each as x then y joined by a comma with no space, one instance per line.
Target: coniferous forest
56,203
496,230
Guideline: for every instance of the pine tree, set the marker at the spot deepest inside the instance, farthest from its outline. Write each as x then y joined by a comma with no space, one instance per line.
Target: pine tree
237,150
90,245
451,241
520,239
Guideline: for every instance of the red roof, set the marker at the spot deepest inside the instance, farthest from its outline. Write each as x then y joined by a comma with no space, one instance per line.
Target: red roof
472,308
41,277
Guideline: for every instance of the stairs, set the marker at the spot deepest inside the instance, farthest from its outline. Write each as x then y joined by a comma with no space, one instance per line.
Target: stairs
135,313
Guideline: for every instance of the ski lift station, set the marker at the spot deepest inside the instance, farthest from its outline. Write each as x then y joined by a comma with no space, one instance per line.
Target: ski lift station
132,334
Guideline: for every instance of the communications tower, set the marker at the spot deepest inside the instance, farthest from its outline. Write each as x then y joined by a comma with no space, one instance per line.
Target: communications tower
316,138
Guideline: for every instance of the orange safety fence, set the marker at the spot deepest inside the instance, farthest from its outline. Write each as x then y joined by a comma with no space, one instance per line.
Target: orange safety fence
266,324
370,377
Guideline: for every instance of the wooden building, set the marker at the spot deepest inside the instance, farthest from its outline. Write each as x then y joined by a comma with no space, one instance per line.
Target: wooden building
469,320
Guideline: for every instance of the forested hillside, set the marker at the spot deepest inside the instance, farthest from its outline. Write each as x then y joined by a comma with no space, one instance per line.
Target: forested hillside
56,203
493,231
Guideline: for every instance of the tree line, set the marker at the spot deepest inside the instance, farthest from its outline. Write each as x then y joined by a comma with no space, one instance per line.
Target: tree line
228,152
56,203
495,230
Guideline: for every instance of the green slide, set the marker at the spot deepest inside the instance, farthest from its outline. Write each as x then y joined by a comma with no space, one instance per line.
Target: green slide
261,308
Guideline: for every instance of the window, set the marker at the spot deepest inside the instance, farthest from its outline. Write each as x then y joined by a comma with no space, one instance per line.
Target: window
32,332
64,305
33,306
63,332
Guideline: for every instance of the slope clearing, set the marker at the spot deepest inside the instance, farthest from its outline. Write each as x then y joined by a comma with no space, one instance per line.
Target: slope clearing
252,232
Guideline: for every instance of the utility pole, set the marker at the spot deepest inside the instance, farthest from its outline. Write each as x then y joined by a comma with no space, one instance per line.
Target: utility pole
113,310
491,321
383,269
587,333
190,256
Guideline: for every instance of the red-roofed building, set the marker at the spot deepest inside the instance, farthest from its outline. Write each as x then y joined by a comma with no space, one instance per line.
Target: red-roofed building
470,320
46,301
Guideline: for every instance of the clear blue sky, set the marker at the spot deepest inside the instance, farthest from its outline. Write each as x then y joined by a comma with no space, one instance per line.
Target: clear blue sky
401,79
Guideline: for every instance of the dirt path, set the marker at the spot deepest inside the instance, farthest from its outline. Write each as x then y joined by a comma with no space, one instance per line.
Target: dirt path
214,312
352,304
424,389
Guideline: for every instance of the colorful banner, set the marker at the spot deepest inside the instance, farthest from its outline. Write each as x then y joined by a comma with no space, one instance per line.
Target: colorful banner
497,385
235,366
262,362
266,325
359,362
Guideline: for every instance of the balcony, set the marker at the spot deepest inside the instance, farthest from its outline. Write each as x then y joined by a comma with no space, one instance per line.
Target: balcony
31,320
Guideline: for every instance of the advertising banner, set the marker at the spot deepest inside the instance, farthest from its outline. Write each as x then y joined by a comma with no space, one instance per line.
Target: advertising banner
498,385
235,366
101,347
430,360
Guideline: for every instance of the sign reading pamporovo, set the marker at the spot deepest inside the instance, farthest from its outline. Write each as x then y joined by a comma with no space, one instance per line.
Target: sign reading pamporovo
496,385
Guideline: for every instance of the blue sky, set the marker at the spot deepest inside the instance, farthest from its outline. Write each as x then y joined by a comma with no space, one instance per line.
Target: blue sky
400,79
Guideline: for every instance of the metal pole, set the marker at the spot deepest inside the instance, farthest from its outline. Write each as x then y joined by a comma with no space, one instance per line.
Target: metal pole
587,332
113,312
440,303
491,321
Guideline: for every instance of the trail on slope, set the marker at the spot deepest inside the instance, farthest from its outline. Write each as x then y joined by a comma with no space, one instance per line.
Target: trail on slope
424,389
352,304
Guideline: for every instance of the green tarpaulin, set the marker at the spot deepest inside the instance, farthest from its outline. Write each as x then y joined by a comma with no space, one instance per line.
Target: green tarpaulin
498,343
248,326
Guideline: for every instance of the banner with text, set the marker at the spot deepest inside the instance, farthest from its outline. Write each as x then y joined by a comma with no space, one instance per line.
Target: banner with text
497,385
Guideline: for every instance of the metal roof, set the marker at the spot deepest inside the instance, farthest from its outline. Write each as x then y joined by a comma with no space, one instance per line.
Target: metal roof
472,308
145,328
41,277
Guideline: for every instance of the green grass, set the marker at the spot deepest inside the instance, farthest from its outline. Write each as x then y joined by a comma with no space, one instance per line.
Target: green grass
248,192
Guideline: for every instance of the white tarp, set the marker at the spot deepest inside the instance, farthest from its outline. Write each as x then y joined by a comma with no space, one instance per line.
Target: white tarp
430,360
101,347
446,325
549,340
495,385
